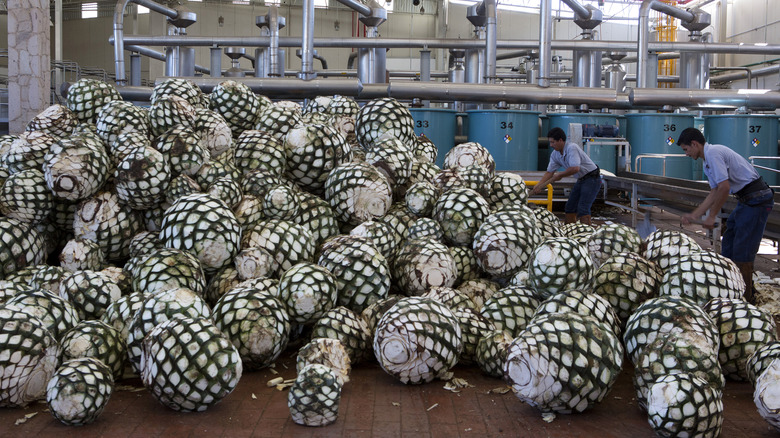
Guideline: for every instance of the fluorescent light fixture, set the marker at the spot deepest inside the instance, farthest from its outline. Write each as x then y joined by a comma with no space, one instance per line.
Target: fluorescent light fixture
196,1
240,2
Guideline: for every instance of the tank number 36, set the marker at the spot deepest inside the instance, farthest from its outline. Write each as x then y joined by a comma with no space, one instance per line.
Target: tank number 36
422,123
754,128
505,125
668,127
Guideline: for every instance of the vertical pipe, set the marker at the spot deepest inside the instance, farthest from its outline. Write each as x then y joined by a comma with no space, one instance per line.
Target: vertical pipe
425,65
273,47
172,56
473,66
307,46
491,24
595,64
187,61
545,42
643,37
135,69
216,62
425,71
119,45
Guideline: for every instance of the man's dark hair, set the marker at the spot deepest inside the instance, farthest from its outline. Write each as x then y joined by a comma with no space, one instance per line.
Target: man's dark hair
556,134
690,134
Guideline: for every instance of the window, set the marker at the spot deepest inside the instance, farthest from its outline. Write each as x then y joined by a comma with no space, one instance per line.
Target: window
388,5
273,2
142,10
89,10
321,4
240,2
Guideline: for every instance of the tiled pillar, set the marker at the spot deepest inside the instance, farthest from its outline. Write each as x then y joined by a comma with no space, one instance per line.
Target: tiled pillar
29,54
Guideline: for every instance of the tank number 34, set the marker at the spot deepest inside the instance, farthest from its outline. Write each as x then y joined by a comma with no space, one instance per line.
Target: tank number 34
505,125
422,124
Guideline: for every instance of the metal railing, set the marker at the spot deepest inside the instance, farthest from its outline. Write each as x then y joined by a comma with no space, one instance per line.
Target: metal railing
623,158
752,159
548,201
663,157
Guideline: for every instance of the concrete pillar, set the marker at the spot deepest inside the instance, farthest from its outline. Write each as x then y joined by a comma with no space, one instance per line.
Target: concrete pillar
29,59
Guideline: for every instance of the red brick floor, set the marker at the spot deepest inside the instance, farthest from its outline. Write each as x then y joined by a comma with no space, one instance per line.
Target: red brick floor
373,404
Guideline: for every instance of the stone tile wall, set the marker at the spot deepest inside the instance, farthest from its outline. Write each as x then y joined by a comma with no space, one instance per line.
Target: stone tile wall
29,79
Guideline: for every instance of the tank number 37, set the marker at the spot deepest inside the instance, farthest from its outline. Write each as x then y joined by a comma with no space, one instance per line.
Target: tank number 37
505,125
754,128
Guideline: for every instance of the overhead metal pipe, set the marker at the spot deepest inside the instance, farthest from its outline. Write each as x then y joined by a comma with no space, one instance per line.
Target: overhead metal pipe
356,6
514,54
290,88
748,72
454,43
154,54
578,9
705,99
728,77
494,93
545,43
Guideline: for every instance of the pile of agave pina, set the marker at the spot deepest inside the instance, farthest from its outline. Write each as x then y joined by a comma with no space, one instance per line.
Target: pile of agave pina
227,225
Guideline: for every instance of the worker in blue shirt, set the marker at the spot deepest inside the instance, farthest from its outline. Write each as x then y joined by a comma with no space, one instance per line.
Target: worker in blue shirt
575,162
730,173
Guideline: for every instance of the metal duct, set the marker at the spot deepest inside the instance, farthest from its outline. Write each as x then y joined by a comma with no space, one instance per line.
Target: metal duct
119,29
356,6
643,36
545,42
578,9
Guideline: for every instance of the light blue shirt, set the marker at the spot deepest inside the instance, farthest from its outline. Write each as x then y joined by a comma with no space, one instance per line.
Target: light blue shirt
571,156
722,163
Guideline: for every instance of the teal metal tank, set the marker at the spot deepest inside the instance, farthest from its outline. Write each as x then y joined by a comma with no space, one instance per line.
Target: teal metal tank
657,133
543,154
439,125
749,135
604,156
511,136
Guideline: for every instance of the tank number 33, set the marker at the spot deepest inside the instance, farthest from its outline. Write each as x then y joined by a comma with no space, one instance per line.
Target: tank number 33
422,124
505,125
